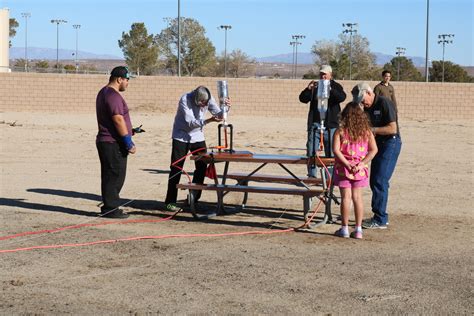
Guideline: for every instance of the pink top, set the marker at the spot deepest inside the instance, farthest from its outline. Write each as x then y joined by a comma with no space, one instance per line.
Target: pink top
354,152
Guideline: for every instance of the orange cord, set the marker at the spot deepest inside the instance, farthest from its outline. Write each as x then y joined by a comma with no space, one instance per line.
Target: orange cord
48,231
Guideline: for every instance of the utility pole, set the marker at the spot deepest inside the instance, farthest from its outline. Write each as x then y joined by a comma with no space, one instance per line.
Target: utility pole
179,38
26,15
296,39
57,21
427,71
293,43
444,39
77,27
349,28
400,51
225,28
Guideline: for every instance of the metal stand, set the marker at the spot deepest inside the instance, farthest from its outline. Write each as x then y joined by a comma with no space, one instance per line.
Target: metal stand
226,147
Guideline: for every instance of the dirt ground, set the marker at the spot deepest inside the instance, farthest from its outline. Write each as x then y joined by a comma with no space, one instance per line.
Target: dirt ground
422,264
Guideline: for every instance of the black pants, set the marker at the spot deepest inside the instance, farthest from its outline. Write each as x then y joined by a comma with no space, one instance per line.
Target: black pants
113,167
178,151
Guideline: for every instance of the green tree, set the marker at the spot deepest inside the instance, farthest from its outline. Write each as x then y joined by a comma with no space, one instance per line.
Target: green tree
363,60
408,71
452,72
311,75
197,52
20,63
42,64
239,64
138,48
340,66
337,55
13,25
70,68
325,51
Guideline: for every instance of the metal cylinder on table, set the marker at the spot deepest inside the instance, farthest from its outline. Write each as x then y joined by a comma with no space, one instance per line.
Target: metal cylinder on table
223,93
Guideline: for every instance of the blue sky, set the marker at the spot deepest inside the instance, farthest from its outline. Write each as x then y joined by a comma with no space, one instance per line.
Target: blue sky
259,27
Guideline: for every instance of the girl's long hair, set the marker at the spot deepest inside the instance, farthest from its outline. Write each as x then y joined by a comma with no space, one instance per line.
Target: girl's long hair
355,122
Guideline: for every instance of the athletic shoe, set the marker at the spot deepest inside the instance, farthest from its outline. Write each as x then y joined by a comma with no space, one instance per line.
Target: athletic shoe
172,207
118,213
342,233
357,234
371,224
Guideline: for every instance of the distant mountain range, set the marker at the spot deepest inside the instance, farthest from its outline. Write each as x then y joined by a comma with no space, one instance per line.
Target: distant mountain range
303,58
308,58
50,54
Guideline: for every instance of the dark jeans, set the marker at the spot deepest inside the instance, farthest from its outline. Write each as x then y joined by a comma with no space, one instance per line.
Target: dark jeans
382,168
113,168
178,151
312,145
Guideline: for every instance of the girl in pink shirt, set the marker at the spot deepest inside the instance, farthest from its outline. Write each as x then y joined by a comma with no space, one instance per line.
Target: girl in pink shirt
354,147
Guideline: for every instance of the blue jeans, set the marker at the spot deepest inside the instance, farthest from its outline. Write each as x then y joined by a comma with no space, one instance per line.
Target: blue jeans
312,145
381,171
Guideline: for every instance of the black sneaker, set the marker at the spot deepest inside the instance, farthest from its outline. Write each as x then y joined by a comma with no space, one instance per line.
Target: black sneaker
115,214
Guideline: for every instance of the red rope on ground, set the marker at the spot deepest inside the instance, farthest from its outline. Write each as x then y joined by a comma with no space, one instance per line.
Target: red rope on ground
147,237
46,231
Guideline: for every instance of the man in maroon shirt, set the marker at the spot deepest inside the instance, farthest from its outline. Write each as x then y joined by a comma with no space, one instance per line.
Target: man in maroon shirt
114,140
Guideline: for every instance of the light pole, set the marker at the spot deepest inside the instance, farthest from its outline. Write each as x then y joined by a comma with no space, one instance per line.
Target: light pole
225,27
444,39
400,51
179,38
296,38
349,28
293,43
77,27
57,21
427,72
26,15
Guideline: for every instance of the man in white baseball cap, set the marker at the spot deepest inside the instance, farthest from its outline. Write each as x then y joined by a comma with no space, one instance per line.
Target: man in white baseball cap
336,96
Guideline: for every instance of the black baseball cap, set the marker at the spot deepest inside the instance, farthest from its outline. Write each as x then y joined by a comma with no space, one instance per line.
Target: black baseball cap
120,72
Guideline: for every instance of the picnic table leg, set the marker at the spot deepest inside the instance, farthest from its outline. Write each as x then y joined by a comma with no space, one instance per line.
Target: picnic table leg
246,195
308,203
306,207
331,197
192,207
220,194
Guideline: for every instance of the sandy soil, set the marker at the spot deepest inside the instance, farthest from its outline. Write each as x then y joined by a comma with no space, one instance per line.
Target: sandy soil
422,264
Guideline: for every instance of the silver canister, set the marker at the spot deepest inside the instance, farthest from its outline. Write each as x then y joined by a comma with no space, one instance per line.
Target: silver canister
222,91
324,87
222,94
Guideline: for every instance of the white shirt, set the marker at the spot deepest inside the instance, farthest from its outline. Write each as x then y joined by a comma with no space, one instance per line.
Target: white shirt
189,120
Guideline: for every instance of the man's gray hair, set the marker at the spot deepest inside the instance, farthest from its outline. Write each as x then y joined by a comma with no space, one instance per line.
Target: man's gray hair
359,90
201,94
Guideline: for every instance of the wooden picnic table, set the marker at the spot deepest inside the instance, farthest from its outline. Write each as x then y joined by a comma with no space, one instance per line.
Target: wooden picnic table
308,188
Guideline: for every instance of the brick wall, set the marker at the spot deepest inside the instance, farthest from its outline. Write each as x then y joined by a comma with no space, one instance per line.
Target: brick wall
260,97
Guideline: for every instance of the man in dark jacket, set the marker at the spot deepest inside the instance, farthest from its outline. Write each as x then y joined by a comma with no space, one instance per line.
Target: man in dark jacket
336,96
